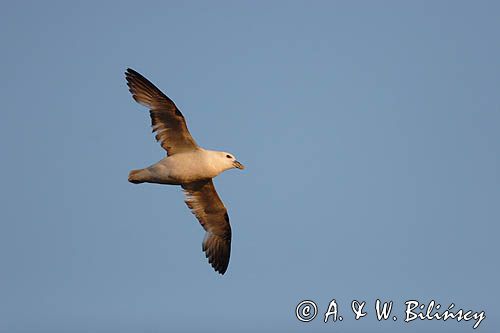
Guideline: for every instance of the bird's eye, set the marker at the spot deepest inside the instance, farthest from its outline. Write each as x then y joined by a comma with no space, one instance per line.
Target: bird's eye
228,156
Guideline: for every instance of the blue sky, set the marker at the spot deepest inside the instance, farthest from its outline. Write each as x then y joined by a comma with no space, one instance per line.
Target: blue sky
370,132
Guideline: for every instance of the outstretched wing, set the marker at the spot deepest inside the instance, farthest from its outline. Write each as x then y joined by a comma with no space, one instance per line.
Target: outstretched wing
208,208
166,119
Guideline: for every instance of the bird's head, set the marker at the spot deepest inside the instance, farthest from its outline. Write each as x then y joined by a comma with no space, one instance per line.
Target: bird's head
229,161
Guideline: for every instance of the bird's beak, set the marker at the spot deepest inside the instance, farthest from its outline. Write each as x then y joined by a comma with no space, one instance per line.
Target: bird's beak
238,165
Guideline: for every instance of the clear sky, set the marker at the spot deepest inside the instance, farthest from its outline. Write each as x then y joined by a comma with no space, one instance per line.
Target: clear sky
370,132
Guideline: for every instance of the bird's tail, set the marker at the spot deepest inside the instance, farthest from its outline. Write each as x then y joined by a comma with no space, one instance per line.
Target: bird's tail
138,176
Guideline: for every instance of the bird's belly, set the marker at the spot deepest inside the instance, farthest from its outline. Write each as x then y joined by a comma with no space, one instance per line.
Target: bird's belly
185,170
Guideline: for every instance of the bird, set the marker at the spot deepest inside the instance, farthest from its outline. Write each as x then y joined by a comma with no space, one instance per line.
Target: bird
187,165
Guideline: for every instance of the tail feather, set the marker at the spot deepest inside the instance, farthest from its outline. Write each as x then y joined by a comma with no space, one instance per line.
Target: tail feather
137,176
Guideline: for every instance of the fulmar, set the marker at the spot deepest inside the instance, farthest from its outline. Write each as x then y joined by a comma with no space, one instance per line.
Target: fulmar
187,165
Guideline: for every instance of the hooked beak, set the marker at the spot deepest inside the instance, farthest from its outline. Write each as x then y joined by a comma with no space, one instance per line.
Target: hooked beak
238,165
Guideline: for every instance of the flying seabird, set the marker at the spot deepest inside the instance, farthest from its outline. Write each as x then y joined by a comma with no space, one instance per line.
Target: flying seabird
187,165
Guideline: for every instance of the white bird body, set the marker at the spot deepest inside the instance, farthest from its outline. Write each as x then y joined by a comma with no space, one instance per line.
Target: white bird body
185,167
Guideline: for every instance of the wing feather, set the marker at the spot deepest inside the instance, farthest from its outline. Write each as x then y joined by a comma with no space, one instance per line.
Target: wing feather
205,204
166,119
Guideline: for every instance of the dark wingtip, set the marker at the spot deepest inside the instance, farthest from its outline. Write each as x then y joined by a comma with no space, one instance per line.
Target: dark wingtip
137,82
131,72
219,264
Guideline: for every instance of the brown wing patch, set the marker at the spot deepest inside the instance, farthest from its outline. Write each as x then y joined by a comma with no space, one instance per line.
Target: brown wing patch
166,119
208,208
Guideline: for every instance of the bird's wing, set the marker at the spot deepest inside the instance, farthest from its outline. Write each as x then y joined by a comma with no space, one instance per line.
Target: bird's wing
166,119
208,208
